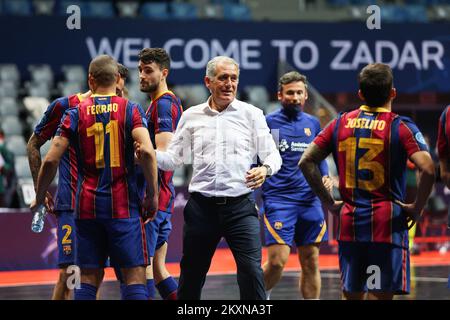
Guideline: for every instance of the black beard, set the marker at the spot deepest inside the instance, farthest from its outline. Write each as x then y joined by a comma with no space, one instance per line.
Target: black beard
292,110
149,88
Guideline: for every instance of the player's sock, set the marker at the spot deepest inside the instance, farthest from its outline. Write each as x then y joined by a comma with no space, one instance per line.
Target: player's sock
86,292
268,292
168,289
151,289
122,290
135,292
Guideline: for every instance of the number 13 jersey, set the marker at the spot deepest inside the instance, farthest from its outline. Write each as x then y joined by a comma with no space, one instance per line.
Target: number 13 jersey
370,147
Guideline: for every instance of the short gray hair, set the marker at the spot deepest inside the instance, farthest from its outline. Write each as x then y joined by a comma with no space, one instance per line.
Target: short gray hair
212,65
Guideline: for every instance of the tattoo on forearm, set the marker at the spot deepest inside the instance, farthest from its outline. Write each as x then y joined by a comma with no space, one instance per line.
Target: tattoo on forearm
34,159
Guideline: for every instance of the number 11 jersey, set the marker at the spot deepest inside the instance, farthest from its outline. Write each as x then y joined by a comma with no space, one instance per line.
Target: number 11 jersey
100,131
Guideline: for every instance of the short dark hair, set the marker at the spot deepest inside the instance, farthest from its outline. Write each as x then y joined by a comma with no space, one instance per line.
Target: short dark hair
375,82
123,71
290,77
104,70
156,55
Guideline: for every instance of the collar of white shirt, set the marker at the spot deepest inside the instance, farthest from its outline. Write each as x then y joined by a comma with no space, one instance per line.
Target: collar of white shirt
233,105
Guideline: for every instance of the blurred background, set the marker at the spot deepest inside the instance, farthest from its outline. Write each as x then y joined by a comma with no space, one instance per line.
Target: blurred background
48,44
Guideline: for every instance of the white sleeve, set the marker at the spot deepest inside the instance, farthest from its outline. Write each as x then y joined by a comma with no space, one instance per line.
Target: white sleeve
179,149
265,145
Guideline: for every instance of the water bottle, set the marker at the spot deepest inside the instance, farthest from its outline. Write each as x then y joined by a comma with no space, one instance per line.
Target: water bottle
37,224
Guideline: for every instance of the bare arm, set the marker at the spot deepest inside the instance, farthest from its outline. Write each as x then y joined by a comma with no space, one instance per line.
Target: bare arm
48,169
162,140
34,156
309,164
147,160
445,171
424,163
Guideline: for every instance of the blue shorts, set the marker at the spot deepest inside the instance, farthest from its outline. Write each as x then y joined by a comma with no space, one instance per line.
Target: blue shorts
66,238
123,240
284,222
360,264
158,231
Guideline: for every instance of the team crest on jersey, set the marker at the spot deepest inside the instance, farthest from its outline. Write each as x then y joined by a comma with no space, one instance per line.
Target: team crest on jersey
284,145
278,225
67,250
420,138
308,131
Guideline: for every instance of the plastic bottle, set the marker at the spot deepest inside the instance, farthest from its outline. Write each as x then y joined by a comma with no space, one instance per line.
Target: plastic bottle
37,224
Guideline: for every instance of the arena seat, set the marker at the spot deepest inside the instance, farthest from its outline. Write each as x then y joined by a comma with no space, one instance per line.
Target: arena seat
11,125
184,11
17,7
155,10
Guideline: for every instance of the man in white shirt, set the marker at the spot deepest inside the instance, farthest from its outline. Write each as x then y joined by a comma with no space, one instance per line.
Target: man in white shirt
222,138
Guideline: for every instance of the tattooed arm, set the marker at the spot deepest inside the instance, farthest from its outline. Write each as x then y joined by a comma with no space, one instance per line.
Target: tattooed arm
34,156
309,162
48,169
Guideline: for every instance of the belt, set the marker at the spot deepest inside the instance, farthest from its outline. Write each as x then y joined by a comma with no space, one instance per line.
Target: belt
219,200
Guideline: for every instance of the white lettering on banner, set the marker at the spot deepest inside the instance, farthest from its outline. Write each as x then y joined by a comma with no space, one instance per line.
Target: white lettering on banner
431,51
168,46
384,44
362,55
374,20
304,54
282,46
122,48
429,56
337,63
248,53
188,53
231,51
409,55
74,20
312,63
130,55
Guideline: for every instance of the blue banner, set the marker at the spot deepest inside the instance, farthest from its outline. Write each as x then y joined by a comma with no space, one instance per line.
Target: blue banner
330,54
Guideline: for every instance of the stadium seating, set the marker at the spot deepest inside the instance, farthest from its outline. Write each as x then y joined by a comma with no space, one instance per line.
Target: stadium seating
155,10
9,89
44,7
17,7
236,12
69,88
11,125
184,11
100,9
128,9
9,72
41,74
257,95
22,167
74,73
9,107
16,144
38,89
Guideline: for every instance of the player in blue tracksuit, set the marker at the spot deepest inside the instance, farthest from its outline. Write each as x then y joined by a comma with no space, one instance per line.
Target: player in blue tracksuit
292,210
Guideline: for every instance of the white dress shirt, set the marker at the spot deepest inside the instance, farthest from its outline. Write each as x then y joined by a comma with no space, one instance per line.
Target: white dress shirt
221,146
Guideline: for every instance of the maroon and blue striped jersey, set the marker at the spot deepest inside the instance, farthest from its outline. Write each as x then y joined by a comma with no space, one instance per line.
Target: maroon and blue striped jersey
443,141
163,115
100,131
370,147
46,129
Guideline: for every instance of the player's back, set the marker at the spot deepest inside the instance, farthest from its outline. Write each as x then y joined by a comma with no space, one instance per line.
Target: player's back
104,145
370,147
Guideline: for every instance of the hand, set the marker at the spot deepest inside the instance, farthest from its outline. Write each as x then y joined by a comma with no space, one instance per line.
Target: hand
255,177
49,203
149,208
328,183
335,207
34,206
137,152
413,213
